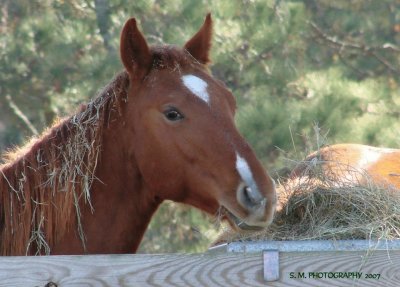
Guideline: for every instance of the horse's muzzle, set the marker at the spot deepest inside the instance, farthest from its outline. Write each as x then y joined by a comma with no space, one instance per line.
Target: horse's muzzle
258,208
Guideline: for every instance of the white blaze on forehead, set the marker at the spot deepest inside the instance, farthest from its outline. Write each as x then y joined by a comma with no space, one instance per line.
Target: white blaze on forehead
247,176
197,86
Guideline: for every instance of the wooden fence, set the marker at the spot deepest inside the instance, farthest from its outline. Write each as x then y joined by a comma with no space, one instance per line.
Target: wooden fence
302,263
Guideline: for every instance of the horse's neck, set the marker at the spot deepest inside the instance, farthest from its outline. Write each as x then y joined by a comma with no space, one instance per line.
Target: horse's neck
49,187
122,207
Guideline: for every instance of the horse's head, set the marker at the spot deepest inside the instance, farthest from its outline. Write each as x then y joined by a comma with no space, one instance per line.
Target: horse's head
183,135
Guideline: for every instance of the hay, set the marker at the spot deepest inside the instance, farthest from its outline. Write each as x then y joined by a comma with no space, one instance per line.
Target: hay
45,184
46,174
320,205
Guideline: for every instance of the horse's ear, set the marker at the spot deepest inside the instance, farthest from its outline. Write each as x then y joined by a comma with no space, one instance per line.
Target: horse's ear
135,53
199,45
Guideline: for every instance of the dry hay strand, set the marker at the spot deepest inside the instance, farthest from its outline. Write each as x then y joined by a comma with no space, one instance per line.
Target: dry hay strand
320,205
45,184
48,173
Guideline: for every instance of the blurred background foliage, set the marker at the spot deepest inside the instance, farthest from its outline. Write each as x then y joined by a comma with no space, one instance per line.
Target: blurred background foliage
297,68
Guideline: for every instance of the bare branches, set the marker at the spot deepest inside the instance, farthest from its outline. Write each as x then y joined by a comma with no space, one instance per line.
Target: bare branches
17,111
373,51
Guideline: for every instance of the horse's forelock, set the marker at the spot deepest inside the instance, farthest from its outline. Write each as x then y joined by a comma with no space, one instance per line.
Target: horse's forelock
172,57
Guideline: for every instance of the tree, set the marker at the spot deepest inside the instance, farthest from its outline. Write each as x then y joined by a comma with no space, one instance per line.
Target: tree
294,67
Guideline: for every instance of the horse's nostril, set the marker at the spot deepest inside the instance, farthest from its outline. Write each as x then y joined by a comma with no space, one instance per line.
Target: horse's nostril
248,196
252,199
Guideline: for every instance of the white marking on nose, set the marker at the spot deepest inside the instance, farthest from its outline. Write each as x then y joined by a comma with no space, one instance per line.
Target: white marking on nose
197,86
243,168
247,176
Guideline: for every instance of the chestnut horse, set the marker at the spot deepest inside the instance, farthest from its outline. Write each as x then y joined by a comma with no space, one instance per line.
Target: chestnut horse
356,164
162,129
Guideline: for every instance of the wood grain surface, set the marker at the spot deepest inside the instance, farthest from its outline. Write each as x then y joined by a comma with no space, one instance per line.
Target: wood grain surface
225,269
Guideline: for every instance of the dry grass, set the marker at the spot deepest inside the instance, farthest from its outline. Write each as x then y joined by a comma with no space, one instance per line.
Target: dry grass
58,169
46,183
317,205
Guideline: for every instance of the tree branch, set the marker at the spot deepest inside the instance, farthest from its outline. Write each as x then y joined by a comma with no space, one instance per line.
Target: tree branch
21,115
103,22
366,50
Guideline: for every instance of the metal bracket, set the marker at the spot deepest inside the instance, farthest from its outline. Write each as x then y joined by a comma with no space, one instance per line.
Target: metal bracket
271,265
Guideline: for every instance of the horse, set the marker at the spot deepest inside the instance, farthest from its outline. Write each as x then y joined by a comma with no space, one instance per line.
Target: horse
354,164
339,190
162,129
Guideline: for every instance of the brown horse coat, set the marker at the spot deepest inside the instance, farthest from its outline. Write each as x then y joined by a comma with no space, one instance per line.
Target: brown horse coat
162,129
356,163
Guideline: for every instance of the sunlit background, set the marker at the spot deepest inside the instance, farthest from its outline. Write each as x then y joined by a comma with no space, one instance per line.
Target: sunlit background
304,73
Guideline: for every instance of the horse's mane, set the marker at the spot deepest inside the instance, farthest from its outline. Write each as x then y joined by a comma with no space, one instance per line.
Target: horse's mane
44,184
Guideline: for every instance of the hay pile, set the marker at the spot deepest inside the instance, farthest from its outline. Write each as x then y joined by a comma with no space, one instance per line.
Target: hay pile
318,205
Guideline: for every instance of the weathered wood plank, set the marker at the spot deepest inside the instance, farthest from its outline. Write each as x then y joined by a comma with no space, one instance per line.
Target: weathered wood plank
313,262
308,245
225,269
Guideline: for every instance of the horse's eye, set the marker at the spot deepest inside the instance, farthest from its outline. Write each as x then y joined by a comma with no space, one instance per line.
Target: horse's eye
173,114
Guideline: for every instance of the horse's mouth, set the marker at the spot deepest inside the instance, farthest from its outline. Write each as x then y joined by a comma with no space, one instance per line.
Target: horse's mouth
239,223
